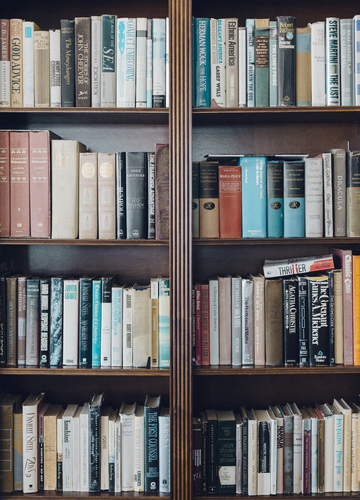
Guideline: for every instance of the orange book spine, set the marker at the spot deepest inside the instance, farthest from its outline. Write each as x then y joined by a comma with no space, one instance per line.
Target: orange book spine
356,309
230,201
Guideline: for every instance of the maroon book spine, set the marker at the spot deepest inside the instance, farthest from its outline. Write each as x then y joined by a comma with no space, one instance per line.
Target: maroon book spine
198,325
19,184
205,352
230,201
39,184
4,185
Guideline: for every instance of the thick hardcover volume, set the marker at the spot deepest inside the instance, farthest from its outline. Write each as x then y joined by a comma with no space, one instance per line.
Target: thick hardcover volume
209,199
291,322
212,443
4,184
253,178
338,313
273,323
11,321
205,353
303,309
55,68
139,452
96,323
328,195
120,193
224,320
318,320
16,63
226,452
28,68
247,337
67,41
82,62
332,59
31,407
303,66
331,316
39,146
151,195
142,327
275,199
159,70
356,308
44,322
136,196
353,193
339,191
286,60
65,188
250,55
318,63
314,198
273,55
346,62
201,62
88,195
108,61
230,201
231,63
259,320
162,191
151,413
264,451
95,61
42,69
21,320
275,413
214,321
56,294
32,321
294,206
4,63
105,333
71,322
50,457
262,62
140,72
85,321
126,60
236,350
19,184
94,452
8,406
197,455
106,196
164,323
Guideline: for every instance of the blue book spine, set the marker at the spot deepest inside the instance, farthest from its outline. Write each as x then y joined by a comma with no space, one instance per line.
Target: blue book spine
159,63
164,323
56,321
250,50
303,45
294,199
253,196
85,322
275,199
96,323
202,62
347,62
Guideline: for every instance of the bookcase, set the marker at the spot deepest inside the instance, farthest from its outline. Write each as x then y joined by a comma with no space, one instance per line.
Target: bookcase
191,134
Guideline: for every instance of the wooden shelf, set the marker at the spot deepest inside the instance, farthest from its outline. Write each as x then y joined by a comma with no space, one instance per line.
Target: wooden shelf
77,495
86,372
273,370
77,242
283,497
277,241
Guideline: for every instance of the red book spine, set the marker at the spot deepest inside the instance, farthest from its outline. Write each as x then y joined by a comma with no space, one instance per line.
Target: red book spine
205,341
198,357
39,184
19,184
230,201
307,463
4,185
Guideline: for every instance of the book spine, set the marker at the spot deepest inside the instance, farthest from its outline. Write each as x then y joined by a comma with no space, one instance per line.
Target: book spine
56,317
105,333
151,196
331,312
5,88
18,451
273,323
303,323
318,97
108,61
19,184
273,69
3,321
230,201
253,178
306,466
127,327
236,354
112,455
357,60
291,323
42,69
59,453
95,61
82,61
126,60
250,44
198,352
214,322
140,72
261,34
332,61
303,66
214,74
4,182
275,199
28,63
231,63
318,298
338,453
88,195
11,320
154,283
85,321
259,320
159,71
67,63
339,191
94,476
151,449
247,339
294,193
197,455
288,454
32,321
118,454
204,455
314,198
30,449
286,60
44,322
21,321
120,196
149,64
352,199
328,195
84,449
139,453
16,63
55,68
242,66
264,458
71,322
106,196
314,455
347,62
201,60
164,323
164,454
297,454
209,200
162,201
212,457
224,320
136,196
167,62
239,426
253,458
116,328
204,291
226,456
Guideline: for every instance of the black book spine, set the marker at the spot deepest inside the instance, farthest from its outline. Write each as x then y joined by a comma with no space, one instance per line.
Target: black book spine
264,447
111,476
291,322
95,448
67,50
44,321
120,196
212,457
197,456
204,456
331,319
303,322
319,322
245,482
85,322
286,60
136,196
59,475
151,449
82,62
151,195
3,320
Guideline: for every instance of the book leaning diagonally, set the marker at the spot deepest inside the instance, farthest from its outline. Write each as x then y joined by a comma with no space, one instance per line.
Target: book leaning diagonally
287,267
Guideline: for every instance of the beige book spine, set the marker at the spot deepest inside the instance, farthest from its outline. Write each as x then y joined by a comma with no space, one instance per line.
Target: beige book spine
141,327
209,218
16,63
106,196
88,187
355,452
42,69
6,451
303,73
338,312
225,320
259,320
50,449
104,439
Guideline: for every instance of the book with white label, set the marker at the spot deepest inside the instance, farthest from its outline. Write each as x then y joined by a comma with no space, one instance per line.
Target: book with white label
55,69
116,326
139,437
105,328
127,327
31,407
140,71
126,62
67,459
71,322
84,448
164,450
127,416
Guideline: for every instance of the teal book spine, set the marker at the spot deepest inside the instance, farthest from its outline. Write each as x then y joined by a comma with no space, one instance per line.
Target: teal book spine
294,199
262,93
108,73
56,306
250,54
275,199
164,323
253,196
96,324
201,52
273,45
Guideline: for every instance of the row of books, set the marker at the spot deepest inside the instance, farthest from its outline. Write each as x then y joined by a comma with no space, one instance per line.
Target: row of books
274,197
103,195
283,449
85,322
86,447
288,316
275,63
97,61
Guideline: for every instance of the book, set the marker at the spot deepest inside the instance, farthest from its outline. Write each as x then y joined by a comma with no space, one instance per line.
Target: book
154,297
355,449
286,60
164,323
165,451
290,322
136,196
230,202
262,78
120,193
126,62
116,326
88,193
95,403
82,38
338,313
28,28
346,411
212,455
108,60
19,184
294,197
214,321
41,445
236,320
50,449
273,323
127,327
303,314
141,324
328,194
226,452
247,314
264,451
18,450
67,462
259,319
356,30
3,321
352,200
55,68
242,66
67,46
5,88
139,451
201,62
306,456
84,447
319,340
41,69
205,344
288,481
4,183
224,320
209,199
198,325
332,55
159,63
59,450
149,64
303,66
44,348
151,195
297,448
8,406
231,62
339,191
273,63
346,57
318,63
106,196
329,433
151,415
16,63
197,455
314,198
95,52
275,413
76,448
117,454
127,417
162,193
253,453
11,321
275,199
250,55
56,320
140,71
253,179
32,321
356,308
85,321
104,450
71,322
112,424
21,320
301,265
217,61
239,432
105,321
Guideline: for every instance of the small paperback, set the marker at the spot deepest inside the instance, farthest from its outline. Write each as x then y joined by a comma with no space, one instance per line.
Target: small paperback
287,267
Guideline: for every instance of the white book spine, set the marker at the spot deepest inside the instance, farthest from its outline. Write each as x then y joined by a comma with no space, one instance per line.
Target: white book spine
346,62
221,79
273,63
242,67
318,63
314,210
104,439
247,322
116,328
111,450
329,455
139,454
149,64
159,72
126,52
127,327
28,64
67,460
71,323
164,454
214,321
328,196
127,452
105,334
236,321
167,63
273,456
118,454
76,452
140,73
332,61
252,457
250,55
55,69
95,61
314,455
5,84
338,452
357,59
297,454
30,449
355,452
84,448
213,60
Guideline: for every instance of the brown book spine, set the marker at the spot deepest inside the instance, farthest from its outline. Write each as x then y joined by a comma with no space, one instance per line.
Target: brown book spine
7,408
106,196
39,144
5,63
225,320
4,184
21,321
162,191
19,184
209,199
82,62
88,191
303,67
273,323
230,201
50,451
42,69
11,355
16,72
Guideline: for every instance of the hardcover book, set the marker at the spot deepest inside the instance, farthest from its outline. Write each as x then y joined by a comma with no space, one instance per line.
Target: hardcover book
8,406
217,61
291,322
224,320
226,452
32,321
253,178
71,322
95,61
19,184
231,63
151,413
346,55
105,322
250,54
82,37
106,196
242,66
108,60
56,321
318,63
236,320
230,201
162,192
151,195
209,199
28,28
212,454
314,198
67,43
262,76
294,198
4,184
352,193
259,319
273,323
94,448
165,451
96,323
275,199
304,332
85,321
21,320
140,71
55,68
18,450
339,191
126,62
5,89
44,350
319,341
303,66
332,59
164,323
159,63
116,326
154,284
141,327
120,192
286,60
11,321
16,63
139,448
273,63
42,69
247,339
201,62
136,196
50,448
88,196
